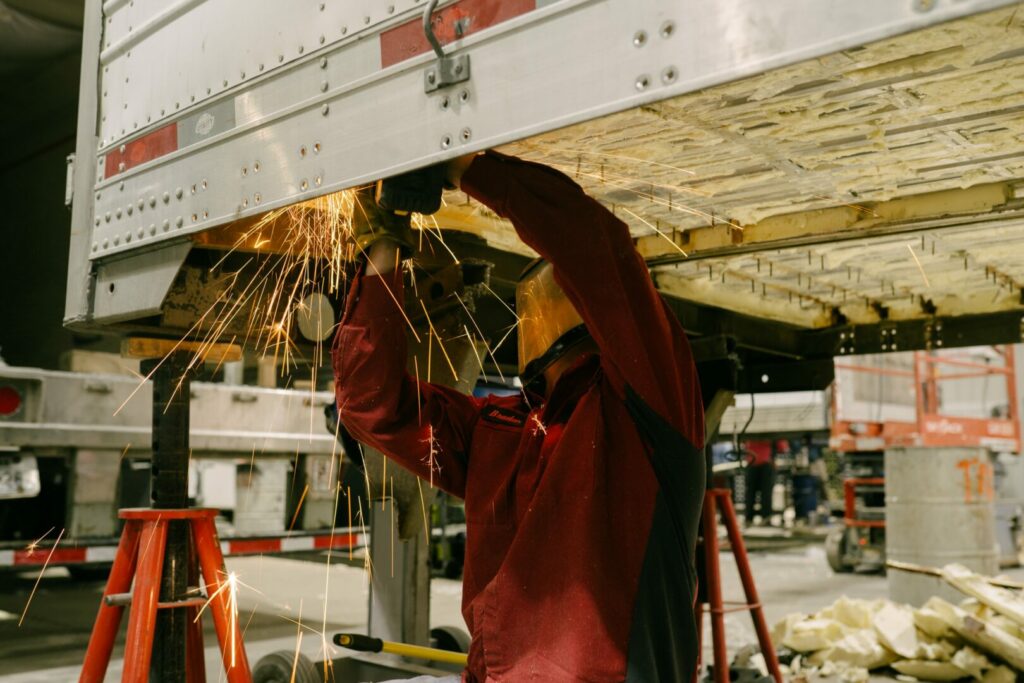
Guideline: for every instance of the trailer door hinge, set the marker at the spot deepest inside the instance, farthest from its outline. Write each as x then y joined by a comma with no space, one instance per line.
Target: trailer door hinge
448,70
69,181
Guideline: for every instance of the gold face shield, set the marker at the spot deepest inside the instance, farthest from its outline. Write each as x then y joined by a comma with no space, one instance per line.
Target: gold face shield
545,316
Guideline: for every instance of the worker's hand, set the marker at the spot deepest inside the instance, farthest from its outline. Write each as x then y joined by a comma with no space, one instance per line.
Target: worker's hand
456,167
372,224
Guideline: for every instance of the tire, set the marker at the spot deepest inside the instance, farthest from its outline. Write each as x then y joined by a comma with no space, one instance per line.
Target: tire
835,551
450,638
277,668
89,574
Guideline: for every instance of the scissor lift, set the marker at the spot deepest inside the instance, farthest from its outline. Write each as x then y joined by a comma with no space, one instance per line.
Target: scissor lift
939,398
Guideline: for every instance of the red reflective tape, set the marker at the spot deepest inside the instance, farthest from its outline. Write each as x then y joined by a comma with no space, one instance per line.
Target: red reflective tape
336,541
254,545
150,146
461,19
39,556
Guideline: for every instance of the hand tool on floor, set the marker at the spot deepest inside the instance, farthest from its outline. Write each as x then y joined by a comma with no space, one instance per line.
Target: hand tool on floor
361,643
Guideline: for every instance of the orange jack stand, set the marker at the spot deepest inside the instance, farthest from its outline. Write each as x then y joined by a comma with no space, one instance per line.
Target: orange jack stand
140,555
716,500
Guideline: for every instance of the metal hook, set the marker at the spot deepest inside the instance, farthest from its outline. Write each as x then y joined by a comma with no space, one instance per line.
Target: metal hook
428,28
448,70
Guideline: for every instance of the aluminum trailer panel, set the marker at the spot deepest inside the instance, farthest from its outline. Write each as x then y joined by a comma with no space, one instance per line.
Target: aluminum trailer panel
771,157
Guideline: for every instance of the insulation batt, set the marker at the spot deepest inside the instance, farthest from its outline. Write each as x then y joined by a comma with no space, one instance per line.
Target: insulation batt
979,639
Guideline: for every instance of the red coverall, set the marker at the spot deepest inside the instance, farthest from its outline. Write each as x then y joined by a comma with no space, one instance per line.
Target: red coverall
581,513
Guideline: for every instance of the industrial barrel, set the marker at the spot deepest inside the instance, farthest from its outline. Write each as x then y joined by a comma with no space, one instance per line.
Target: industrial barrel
939,509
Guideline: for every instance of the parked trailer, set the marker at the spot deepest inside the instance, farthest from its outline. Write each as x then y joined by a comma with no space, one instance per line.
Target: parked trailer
74,448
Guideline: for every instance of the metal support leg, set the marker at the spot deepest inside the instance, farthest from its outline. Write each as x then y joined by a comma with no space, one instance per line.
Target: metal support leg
104,631
194,638
143,615
171,399
739,551
713,574
229,634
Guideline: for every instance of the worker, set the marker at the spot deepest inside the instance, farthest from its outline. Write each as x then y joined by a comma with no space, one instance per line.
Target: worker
583,493
760,480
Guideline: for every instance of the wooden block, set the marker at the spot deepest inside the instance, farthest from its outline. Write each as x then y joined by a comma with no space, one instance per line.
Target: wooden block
145,347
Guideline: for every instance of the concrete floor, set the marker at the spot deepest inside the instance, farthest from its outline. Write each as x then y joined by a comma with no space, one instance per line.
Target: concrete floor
50,644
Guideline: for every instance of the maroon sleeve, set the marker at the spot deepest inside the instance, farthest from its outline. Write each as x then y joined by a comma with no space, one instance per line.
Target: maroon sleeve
642,344
421,426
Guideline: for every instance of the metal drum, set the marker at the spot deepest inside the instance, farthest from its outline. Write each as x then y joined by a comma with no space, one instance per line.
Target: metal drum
939,507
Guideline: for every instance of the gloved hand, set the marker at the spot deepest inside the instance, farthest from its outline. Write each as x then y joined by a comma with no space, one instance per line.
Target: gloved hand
371,224
417,191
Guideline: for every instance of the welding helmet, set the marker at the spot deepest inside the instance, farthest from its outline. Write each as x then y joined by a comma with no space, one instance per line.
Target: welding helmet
548,322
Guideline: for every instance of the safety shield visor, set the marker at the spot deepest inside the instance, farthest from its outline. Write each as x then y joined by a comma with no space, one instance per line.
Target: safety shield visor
545,314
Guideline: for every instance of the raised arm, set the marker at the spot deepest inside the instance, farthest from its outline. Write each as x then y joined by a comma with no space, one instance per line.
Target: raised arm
642,344
421,426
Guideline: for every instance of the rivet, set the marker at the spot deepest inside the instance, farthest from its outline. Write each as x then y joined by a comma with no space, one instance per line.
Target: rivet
667,29
225,83
317,180
107,217
203,184
302,151
445,102
256,167
261,67
344,30
97,221
924,5
117,240
128,237
323,62
206,214
95,246
195,217
193,189
105,243
668,75
142,203
120,166
191,98
120,186
121,149
117,214
280,58
166,225
140,232
391,9
178,192
316,148
464,96
366,20
431,77
642,82
301,49
323,40
167,197
179,221
152,228
323,86
242,75
640,38
256,198
245,203
303,185
322,5
458,68
466,134
245,171
446,142
130,210
325,109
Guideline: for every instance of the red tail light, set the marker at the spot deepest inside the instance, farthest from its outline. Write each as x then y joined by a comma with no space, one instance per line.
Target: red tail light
10,401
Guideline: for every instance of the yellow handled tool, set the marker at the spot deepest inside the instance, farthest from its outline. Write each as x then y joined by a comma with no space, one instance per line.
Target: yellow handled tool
361,643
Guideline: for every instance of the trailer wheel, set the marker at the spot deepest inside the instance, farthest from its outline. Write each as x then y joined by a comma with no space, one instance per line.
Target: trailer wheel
277,668
835,551
450,638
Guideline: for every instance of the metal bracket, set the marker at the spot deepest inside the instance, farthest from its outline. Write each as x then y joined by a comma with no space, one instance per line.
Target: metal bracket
447,71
